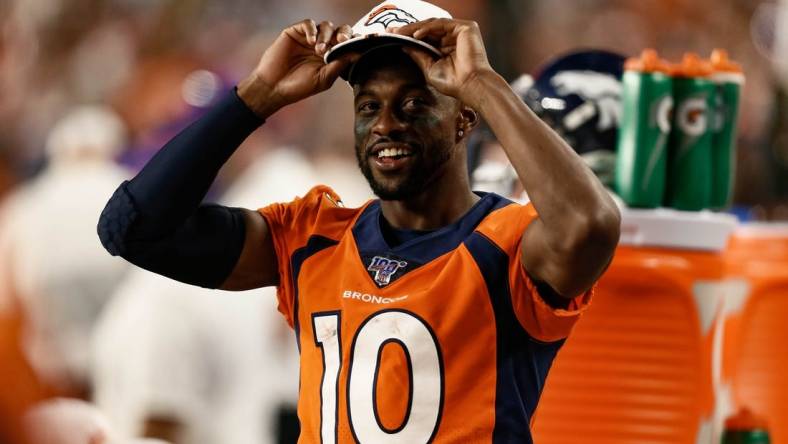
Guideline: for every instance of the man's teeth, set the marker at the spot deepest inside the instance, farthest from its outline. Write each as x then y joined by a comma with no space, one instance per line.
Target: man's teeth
391,152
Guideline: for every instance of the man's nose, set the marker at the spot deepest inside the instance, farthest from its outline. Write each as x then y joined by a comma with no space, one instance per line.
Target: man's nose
388,123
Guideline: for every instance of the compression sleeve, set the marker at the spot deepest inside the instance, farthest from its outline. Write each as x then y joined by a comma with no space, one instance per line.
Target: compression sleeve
155,220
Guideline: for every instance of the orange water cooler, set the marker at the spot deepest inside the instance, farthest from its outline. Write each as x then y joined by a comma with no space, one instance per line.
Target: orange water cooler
642,365
755,365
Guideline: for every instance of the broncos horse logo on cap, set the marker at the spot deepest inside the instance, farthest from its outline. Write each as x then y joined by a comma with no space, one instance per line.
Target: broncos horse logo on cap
388,14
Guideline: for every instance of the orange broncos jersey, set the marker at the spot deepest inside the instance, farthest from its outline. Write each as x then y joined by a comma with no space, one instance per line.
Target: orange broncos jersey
442,339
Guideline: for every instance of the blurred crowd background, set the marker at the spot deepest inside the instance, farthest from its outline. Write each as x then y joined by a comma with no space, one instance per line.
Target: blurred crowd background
90,89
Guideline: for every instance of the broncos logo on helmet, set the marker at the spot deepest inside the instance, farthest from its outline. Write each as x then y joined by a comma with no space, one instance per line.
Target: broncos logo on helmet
594,87
579,95
388,14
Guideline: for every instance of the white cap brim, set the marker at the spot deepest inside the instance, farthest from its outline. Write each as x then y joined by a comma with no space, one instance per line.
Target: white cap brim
370,42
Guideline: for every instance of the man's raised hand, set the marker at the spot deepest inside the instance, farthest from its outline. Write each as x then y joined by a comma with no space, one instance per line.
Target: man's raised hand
463,55
292,68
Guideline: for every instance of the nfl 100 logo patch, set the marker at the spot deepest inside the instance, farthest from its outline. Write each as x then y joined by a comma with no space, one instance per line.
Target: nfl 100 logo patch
384,268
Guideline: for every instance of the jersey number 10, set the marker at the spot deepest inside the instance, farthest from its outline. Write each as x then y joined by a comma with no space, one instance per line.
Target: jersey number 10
425,366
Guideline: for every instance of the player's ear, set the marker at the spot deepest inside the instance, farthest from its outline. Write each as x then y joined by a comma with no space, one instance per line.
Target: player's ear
467,119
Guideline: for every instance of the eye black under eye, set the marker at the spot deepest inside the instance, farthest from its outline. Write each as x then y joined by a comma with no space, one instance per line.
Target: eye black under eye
414,102
366,107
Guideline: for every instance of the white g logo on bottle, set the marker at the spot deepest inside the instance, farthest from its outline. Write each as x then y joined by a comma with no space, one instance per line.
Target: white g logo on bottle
692,116
664,114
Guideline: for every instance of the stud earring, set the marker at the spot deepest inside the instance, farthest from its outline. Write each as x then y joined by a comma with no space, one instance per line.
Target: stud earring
460,133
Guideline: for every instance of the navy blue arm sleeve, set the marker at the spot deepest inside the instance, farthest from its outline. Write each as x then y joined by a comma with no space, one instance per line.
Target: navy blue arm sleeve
156,221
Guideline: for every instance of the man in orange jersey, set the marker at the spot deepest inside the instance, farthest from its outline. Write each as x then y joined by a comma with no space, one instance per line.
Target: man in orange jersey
432,314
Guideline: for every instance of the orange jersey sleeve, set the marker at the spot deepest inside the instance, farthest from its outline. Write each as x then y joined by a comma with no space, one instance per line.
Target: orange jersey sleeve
542,322
319,214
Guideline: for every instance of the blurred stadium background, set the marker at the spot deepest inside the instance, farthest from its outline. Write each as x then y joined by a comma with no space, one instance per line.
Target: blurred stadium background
89,89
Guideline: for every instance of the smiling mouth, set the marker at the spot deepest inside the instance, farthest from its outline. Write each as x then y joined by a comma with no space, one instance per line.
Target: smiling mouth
393,153
391,157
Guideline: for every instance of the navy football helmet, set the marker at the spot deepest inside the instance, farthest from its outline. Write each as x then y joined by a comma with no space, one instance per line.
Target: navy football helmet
579,95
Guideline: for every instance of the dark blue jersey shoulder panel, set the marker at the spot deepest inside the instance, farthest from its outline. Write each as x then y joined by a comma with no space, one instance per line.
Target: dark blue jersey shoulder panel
314,245
421,249
522,362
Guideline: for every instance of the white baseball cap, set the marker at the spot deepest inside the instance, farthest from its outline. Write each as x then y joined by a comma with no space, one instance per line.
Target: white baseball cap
370,31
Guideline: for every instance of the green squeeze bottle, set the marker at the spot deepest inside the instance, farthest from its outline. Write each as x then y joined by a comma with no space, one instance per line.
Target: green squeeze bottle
689,176
745,428
729,79
641,156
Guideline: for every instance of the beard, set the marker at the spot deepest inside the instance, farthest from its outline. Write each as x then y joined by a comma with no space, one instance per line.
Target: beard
423,171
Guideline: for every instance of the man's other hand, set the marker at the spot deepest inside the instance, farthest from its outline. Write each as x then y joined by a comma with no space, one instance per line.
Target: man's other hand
292,68
463,55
